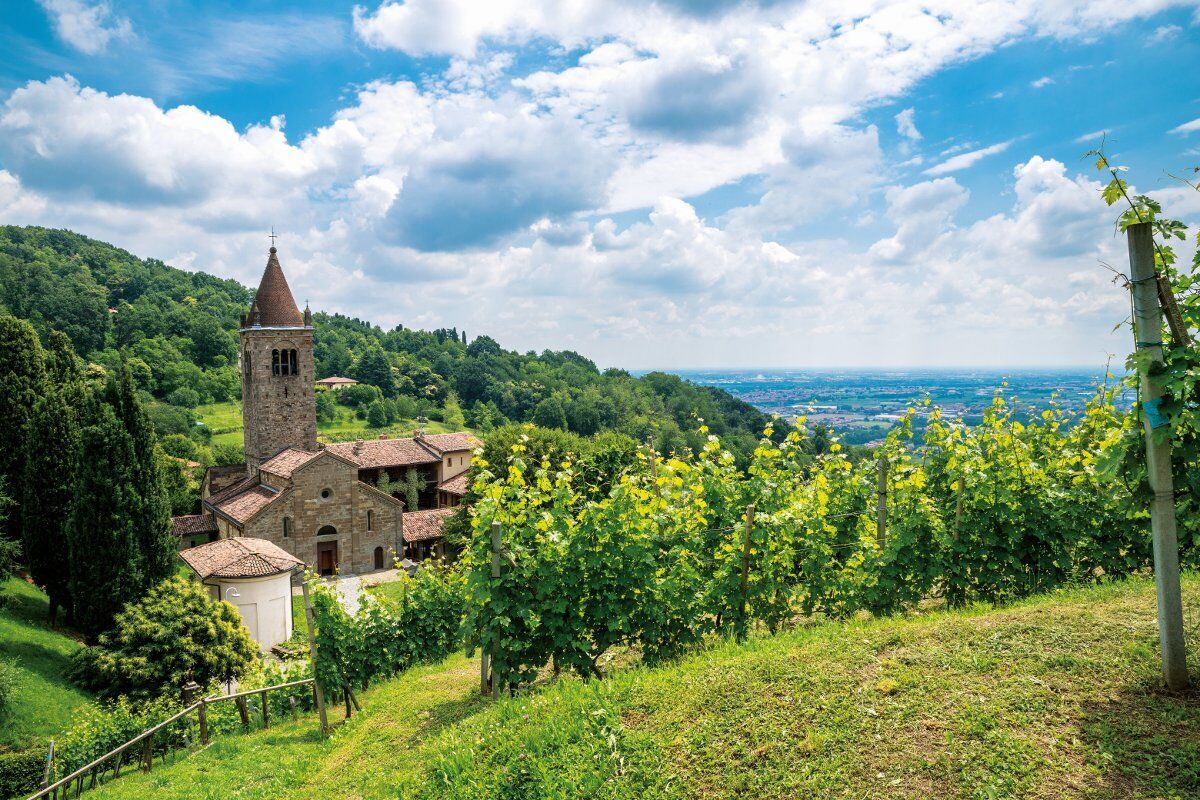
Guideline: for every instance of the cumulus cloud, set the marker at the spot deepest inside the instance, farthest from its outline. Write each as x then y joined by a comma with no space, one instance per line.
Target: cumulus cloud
1187,127
88,27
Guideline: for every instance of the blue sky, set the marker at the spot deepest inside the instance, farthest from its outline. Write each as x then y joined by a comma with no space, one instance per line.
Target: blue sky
669,184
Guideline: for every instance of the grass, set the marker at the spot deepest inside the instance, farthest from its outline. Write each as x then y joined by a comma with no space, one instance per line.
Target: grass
43,700
225,419
1054,697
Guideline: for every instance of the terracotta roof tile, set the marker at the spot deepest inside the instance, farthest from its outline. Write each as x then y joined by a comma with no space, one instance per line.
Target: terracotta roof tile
451,442
243,501
420,526
239,557
374,453
193,524
457,485
274,302
287,461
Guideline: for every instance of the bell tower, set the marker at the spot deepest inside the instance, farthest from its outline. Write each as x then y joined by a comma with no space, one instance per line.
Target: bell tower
279,407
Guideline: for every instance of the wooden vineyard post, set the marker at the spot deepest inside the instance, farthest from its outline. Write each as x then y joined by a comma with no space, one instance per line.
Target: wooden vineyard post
49,766
312,651
744,583
147,754
496,547
266,713
881,502
243,712
1147,339
202,714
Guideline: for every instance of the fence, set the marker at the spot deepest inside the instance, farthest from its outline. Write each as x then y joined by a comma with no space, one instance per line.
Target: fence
94,773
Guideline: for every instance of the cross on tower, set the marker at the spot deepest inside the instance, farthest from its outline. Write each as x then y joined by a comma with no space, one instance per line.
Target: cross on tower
272,236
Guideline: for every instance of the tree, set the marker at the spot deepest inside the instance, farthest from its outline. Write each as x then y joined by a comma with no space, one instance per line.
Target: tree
151,509
176,633
22,380
377,415
51,450
550,414
374,368
101,532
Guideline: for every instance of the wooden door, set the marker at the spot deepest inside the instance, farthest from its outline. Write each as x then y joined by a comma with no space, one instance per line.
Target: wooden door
327,558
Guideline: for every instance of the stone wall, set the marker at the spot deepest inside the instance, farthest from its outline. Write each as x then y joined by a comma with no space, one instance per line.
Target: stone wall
344,509
278,411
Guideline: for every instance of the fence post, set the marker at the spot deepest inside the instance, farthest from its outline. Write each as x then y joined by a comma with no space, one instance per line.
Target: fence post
202,714
1147,340
292,703
312,650
49,765
744,584
496,547
881,501
148,753
243,712
266,713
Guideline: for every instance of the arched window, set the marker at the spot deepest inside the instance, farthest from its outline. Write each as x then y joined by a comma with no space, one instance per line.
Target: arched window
274,362
293,368
287,527
327,530
370,519
378,558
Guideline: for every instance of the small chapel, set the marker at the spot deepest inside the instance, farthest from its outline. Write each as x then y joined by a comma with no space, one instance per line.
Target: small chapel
319,502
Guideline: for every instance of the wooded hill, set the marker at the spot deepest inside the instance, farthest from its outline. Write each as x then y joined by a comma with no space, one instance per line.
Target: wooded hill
178,330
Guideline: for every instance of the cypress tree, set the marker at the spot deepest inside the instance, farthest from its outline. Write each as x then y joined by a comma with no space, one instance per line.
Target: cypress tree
102,534
22,377
51,449
152,510
63,367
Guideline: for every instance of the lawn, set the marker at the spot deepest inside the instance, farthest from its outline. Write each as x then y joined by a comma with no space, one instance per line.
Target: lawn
1054,697
43,700
225,420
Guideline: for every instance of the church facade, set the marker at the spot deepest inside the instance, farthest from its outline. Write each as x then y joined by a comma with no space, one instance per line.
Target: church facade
317,502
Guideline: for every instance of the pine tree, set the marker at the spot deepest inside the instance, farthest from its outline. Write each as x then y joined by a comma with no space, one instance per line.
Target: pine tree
63,367
101,532
374,368
51,449
22,375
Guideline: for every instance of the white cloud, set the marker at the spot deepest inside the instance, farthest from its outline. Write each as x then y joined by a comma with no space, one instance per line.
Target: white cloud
1187,127
1042,82
88,27
1091,138
1164,33
965,160
906,125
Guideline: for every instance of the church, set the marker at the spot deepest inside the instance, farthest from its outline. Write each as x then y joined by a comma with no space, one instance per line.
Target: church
319,503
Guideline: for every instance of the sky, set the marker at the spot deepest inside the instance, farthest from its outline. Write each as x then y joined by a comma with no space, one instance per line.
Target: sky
670,184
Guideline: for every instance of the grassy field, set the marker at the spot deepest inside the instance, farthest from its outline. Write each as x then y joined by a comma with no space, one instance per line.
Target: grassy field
1054,697
43,700
225,420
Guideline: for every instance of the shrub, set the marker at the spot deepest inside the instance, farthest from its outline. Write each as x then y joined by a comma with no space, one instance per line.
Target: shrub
21,772
184,397
176,633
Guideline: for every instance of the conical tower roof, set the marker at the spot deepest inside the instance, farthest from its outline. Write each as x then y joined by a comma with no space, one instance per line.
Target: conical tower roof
276,306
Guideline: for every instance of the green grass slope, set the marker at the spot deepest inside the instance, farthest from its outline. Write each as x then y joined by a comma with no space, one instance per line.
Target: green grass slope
1054,697
43,699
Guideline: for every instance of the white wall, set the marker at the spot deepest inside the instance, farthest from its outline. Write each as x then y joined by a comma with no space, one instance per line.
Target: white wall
264,603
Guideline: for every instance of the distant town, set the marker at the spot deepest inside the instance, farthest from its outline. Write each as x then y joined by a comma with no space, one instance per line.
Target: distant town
863,404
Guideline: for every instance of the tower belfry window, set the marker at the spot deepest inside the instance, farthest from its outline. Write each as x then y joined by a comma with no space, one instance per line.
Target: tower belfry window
275,362
284,362
293,369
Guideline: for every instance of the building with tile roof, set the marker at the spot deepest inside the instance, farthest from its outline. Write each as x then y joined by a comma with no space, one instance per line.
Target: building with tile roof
320,504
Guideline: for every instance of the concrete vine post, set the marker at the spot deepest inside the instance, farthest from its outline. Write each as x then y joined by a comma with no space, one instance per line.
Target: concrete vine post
744,583
881,501
1147,339
496,546
318,693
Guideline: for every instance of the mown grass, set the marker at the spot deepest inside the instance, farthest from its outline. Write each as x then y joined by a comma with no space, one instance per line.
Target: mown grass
225,420
43,699
1054,697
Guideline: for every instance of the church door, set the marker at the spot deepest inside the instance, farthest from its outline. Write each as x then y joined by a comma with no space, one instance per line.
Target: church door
378,558
327,558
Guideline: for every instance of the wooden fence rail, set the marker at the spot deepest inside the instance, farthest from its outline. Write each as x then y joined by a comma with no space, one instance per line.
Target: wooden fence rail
93,772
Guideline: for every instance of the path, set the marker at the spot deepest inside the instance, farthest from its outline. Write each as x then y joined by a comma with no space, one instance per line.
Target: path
350,587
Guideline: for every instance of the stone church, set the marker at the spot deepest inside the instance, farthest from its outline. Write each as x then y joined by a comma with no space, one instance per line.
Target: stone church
318,502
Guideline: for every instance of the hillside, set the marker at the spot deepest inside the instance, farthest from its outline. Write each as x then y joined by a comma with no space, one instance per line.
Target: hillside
1053,697
178,330
43,699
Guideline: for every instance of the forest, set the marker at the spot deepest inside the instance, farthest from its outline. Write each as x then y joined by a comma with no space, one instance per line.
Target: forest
177,331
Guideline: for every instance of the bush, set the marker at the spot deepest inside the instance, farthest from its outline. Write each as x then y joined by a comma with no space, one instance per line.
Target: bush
377,415
21,772
227,454
175,633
